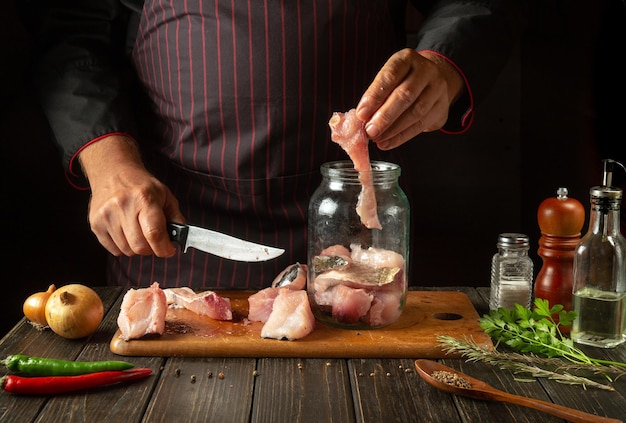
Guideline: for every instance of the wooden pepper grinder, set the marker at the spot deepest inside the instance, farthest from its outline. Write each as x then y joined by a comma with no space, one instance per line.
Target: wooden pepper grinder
560,220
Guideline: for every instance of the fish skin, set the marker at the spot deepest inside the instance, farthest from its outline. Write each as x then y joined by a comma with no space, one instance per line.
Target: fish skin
324,263
293,277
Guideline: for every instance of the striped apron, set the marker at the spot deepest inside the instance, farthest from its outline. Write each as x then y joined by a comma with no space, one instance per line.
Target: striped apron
238,97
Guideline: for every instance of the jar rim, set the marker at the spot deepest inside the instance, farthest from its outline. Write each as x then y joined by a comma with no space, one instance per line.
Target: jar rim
378,166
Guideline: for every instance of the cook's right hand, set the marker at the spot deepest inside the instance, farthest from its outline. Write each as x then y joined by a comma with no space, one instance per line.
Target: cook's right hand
129,207
411,94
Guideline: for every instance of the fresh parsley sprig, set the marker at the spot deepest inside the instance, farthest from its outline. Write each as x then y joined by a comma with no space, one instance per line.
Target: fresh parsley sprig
536,331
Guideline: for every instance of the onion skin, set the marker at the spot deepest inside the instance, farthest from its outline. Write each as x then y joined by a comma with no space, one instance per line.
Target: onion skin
74,311
34,307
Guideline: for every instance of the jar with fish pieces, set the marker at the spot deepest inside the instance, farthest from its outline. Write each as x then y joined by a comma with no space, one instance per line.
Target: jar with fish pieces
358,246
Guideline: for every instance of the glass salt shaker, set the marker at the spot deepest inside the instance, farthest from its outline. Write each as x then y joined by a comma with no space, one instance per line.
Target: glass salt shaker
511,272
599,291
358,265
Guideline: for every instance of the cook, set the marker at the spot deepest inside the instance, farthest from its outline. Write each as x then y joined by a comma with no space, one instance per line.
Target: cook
216,113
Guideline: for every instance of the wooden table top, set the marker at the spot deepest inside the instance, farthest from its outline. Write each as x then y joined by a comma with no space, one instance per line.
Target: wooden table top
223,389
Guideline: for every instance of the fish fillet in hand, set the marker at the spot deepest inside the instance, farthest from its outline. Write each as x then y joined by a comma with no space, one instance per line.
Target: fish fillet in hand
349,132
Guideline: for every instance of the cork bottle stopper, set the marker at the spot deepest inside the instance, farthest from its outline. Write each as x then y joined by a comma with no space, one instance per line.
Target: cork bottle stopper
561,215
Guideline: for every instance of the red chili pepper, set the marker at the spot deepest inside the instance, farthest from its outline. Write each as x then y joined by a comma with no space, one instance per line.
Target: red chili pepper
50,385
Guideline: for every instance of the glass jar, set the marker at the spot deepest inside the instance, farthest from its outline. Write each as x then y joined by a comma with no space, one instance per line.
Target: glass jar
599,292
511,272
358,275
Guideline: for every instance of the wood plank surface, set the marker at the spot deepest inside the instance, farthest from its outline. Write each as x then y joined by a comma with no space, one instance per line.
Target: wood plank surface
426,315
301,390
294,389
392,391
203,389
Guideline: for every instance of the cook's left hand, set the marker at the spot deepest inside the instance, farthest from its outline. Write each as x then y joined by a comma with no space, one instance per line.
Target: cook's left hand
411,94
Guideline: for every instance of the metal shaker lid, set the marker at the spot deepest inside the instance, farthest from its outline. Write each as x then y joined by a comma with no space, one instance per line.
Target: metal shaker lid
513,239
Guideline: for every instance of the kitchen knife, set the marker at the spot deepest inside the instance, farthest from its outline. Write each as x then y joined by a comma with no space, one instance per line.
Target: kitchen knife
220,244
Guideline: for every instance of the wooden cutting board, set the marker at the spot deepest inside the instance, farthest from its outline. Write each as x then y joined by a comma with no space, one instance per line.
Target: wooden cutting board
426,315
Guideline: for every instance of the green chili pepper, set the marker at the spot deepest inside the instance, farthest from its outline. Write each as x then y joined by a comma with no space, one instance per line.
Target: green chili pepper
37,366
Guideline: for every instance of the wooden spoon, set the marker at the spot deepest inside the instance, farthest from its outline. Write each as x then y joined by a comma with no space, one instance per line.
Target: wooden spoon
483,391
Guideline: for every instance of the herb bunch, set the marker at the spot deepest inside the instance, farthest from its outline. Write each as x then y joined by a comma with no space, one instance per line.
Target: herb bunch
536,332
538,346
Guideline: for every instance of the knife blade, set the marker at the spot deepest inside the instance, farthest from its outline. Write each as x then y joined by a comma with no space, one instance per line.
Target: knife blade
220,244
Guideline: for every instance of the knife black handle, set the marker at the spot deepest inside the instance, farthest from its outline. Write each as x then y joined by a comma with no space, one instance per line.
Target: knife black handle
178,232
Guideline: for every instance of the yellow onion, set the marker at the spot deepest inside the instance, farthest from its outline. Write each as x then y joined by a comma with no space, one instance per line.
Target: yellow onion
74,311
35,307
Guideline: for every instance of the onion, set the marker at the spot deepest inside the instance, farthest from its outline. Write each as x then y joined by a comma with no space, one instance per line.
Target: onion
74,311
35,307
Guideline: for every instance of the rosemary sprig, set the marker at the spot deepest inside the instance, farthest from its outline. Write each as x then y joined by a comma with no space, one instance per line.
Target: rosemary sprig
551,368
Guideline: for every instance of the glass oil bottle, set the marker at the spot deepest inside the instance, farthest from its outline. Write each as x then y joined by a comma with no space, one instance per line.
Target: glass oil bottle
599,289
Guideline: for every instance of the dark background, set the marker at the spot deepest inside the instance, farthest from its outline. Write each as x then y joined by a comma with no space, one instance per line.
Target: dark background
557,109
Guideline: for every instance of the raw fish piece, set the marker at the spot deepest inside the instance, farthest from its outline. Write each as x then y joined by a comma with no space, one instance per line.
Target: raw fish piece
358,275
324,298
260,304
325,282
336,250
350,304
366,287
293,277
349,132
142,312
376,257
291,317
386,307
366,268
207,303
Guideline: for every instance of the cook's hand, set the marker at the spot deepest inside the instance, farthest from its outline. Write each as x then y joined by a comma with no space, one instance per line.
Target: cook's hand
411,94
129,207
